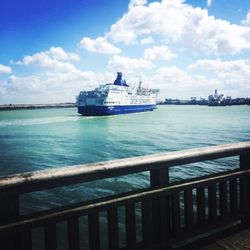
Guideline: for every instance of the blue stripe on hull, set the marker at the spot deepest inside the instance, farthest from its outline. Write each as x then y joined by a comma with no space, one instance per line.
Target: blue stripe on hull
114,110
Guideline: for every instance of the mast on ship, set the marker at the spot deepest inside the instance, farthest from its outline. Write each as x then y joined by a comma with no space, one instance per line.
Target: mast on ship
139,89
140,82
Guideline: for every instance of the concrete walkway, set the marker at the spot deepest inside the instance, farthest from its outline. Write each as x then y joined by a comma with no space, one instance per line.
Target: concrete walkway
239,241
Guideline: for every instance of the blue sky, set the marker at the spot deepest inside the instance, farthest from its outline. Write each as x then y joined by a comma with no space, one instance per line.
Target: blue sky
50,50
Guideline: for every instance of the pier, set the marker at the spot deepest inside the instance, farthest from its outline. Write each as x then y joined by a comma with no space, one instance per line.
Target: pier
185,214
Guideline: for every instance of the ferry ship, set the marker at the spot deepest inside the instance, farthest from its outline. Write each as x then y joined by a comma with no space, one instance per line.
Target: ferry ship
116,98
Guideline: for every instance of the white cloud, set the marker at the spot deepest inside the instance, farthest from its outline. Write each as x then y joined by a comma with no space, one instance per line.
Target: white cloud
44,61
5,69
247,20
134,3
232,76
53,59
128,65
50,87
209,3
99,45
234,69
158,52
170,23
229,77
174,82
147,40
58,81
182,23
48,56
59,54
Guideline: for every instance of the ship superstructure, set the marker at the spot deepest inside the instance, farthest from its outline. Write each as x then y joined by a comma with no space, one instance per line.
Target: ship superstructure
116,98
216,99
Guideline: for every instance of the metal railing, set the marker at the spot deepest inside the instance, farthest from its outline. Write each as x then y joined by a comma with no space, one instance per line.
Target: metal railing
171,215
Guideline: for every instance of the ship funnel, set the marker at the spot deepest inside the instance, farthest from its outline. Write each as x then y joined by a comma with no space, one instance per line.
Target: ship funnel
119,80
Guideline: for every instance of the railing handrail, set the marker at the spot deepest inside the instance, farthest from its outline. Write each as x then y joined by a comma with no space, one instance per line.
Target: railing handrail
50,178
118,200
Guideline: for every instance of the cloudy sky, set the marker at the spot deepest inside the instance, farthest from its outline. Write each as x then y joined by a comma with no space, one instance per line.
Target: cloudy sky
52,49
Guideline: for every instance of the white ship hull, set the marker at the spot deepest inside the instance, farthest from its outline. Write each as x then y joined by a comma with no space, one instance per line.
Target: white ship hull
117,98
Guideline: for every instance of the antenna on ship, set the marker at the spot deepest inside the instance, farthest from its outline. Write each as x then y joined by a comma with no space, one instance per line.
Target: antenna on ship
140,81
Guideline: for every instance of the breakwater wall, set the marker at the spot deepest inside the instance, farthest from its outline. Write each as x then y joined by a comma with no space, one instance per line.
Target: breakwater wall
36,106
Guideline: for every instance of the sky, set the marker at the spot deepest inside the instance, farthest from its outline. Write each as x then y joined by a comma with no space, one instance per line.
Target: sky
52,49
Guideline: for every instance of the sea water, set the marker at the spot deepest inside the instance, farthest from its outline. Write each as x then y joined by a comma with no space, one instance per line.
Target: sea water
50,138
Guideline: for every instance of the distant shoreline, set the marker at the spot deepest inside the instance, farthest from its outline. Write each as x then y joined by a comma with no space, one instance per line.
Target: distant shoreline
195,104
7,107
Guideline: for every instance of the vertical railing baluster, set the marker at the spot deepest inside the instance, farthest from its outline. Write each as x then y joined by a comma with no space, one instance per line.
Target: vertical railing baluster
9,212
245,188
223,199
212,208
26,239
188,206
165,218
146,222
50,236
159,177
113,230
73,233
130,226
201,201
94,231
175,213
233,197
244,199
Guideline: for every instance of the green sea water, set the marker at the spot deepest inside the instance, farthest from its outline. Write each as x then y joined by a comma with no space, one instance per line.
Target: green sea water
49,138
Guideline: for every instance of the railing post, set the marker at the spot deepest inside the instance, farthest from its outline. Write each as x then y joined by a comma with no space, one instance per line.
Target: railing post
9,212
160,206
245,188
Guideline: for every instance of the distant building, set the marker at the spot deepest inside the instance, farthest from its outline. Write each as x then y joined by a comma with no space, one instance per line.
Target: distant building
172,101
202,101
213,100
